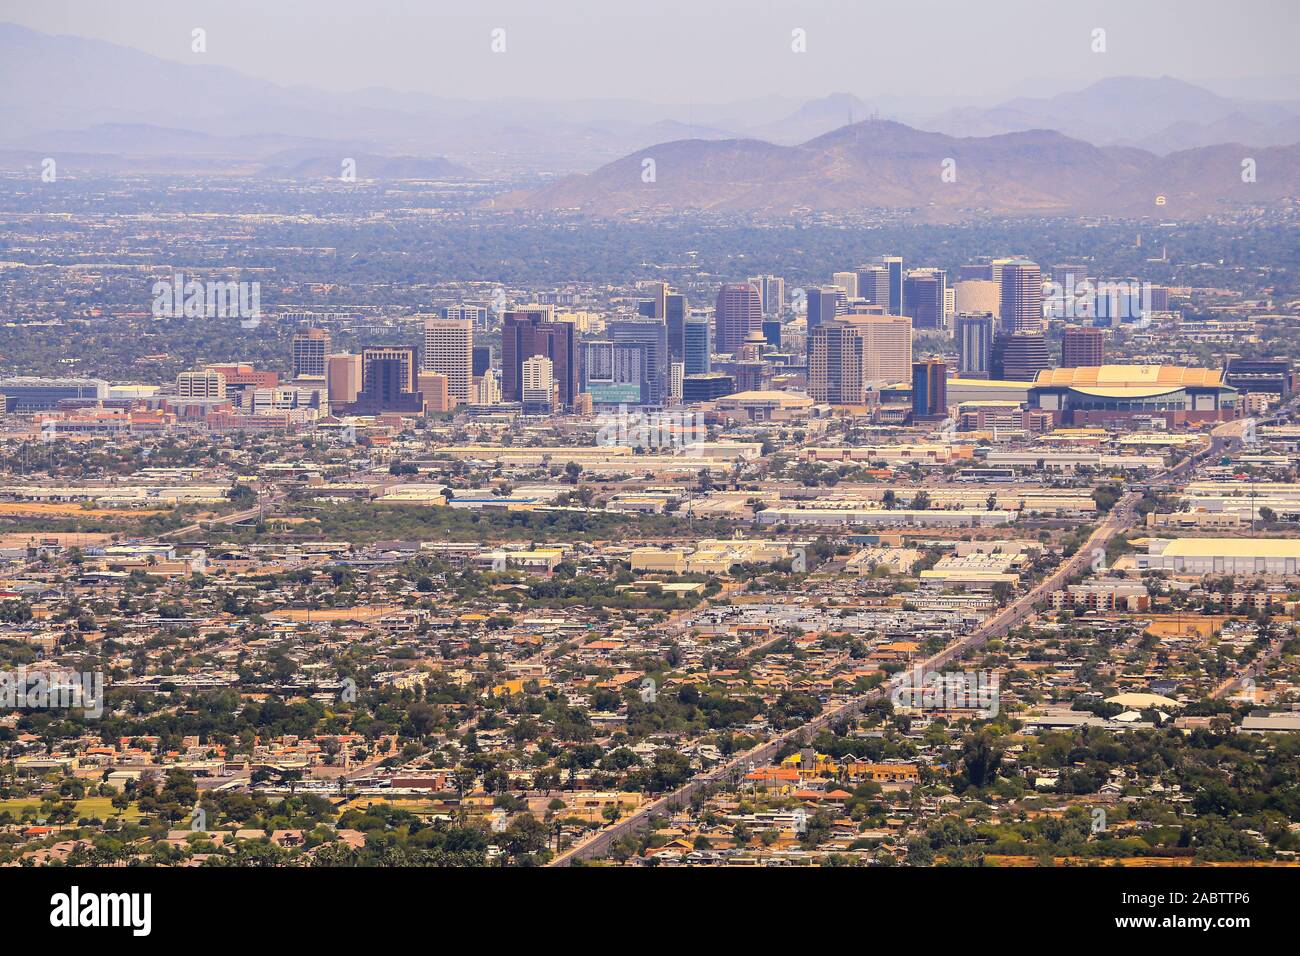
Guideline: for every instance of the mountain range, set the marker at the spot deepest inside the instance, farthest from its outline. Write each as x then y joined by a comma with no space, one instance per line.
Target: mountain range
101,107
879,164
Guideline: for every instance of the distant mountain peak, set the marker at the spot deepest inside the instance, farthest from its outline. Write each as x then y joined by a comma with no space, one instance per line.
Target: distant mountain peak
882,164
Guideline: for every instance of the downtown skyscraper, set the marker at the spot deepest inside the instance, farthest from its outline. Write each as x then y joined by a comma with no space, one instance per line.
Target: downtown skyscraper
738,311
449,351
529,332
1021,300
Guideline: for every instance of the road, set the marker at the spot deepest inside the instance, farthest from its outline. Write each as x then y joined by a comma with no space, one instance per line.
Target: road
1120,518
1249,671
233,518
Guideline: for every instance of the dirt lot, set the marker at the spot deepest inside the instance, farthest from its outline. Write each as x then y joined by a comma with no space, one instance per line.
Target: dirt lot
40,509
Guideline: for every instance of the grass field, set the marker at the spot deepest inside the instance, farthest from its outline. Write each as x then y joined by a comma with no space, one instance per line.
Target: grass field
100,807
420,808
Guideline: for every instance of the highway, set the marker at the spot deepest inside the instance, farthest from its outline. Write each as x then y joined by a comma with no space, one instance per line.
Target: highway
233,518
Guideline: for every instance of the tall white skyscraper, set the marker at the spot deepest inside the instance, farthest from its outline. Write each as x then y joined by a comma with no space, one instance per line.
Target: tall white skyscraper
449,351
537,385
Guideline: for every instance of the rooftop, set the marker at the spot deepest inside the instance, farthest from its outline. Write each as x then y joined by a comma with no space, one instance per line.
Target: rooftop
1162,377
1233,548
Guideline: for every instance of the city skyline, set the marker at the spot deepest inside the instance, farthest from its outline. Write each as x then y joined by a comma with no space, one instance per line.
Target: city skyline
421,448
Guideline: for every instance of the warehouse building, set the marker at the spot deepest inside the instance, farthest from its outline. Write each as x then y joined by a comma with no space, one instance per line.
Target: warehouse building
1251,557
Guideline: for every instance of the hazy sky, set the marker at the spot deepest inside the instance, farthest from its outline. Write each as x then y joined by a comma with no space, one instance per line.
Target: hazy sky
679,51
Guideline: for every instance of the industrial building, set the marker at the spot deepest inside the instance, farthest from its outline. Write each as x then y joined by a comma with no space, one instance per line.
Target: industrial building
1250,557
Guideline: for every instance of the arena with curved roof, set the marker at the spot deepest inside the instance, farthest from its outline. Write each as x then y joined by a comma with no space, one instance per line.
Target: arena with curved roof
1099,395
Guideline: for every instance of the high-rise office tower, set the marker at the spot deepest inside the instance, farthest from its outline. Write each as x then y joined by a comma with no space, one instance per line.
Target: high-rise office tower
848,281
894,265
482,360
1069,275
824,305
342,379
449,351
1019,356
1082,348
974,336
652,336
738,312
477,315
697,354
388,381
676,375
1021,300
873,285
660,290
676,309
995,268
925,298
771,290
929,390
399,376
835,356
531,331
310,347
655,307
774,297
537,384
613,373
978,295
849,354
976,272
772,332
888,343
